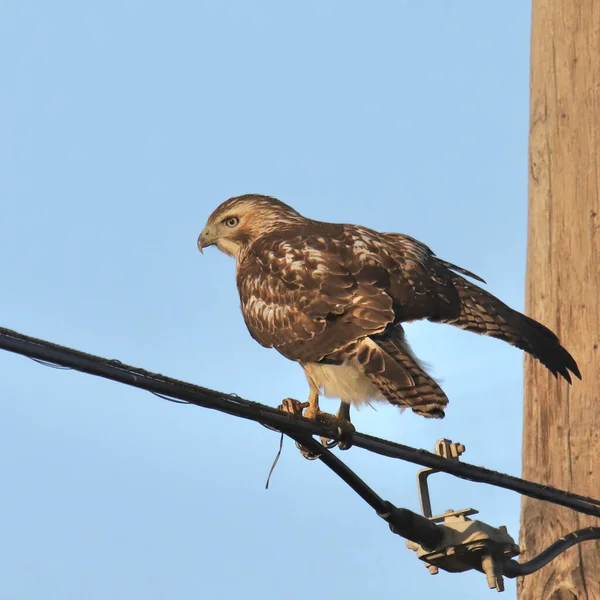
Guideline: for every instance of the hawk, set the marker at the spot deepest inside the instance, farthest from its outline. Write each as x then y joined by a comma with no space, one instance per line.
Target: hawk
333,298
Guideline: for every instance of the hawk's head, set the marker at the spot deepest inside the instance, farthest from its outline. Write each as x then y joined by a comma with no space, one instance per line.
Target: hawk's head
239,221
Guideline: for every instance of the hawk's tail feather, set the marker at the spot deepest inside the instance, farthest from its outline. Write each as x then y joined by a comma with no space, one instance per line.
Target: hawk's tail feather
485,314
401,379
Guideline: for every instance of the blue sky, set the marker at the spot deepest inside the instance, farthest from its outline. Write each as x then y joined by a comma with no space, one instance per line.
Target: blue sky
122,126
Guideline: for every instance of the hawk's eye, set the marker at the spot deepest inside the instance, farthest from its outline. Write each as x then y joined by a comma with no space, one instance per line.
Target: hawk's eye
231,221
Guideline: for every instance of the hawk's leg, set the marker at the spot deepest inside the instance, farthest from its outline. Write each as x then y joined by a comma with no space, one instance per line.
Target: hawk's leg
341,423
312,410
345,426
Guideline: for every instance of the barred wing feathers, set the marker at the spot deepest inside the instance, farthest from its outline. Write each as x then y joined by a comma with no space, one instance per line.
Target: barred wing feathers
402,380
481,312
485,314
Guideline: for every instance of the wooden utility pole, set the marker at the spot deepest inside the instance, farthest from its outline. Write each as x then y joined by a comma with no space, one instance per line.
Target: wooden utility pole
561,436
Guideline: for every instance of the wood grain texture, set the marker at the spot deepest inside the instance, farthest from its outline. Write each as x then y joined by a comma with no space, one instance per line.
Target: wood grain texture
561,437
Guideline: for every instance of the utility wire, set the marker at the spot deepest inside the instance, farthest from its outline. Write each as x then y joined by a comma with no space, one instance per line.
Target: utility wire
402,521
180,391
427,533
512,568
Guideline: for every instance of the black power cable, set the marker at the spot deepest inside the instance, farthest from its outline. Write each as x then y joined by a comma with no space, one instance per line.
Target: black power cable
424,532
513,569
404,522
173,389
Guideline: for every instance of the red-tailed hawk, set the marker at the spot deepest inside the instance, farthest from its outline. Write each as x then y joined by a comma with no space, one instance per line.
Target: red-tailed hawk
333,298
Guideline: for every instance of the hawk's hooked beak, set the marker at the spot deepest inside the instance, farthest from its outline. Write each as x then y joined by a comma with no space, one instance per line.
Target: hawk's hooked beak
204,240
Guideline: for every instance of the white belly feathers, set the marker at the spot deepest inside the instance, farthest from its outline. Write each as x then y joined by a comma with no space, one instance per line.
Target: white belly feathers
346,382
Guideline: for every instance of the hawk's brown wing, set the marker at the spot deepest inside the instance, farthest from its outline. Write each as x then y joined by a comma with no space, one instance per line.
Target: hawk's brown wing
311,291
316,291
481,312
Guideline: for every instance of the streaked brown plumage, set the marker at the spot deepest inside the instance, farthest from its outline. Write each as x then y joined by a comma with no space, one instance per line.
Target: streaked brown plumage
333,298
